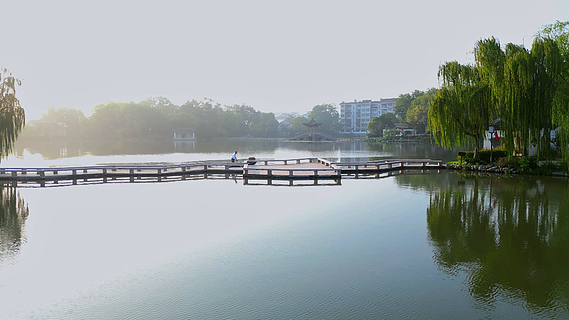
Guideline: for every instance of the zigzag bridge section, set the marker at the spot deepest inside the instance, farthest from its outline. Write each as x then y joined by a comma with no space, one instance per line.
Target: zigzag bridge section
314,169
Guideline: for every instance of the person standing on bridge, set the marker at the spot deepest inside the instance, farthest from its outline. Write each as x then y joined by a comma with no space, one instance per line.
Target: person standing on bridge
234,157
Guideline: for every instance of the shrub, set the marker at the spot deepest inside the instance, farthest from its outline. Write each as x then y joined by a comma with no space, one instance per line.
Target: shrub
512,163
475,161
528,164
484,154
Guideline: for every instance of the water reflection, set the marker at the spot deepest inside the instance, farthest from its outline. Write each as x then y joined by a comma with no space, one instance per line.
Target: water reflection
13,215
511,237
51,149
412,151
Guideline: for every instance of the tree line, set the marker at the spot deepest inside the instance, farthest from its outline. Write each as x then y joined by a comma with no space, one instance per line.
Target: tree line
156,118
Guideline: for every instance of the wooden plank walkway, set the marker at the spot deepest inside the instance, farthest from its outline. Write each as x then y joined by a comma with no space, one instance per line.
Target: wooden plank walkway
309,170
289,169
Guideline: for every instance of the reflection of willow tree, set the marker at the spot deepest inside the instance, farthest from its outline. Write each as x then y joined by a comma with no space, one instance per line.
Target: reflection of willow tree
13,214
515,243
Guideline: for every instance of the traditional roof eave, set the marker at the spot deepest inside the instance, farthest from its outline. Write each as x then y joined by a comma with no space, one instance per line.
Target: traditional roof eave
312,123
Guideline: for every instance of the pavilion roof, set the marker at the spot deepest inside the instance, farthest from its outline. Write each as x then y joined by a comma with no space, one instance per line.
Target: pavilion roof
312,123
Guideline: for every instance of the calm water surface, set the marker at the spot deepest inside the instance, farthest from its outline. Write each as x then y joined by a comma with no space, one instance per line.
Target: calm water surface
47,153
432,245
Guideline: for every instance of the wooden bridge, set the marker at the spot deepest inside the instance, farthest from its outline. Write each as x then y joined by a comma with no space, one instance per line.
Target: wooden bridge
314,169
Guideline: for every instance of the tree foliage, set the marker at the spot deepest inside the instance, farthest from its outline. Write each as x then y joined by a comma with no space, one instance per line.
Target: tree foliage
417,114
376,125
516,85
460,110
297,127
523,84
559,32
155,119
12,115
121,120
72,119
403,103
327,114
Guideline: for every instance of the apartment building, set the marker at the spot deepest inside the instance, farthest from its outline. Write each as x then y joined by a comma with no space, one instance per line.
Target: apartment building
355,116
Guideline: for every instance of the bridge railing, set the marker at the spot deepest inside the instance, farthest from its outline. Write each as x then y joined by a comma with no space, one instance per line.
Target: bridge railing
116,169
268,162
388,164
282,172
209,167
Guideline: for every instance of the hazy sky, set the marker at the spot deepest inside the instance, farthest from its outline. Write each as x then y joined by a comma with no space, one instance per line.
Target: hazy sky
276,56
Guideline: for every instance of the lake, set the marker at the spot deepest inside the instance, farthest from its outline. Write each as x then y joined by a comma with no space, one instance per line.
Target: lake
48,153
417,245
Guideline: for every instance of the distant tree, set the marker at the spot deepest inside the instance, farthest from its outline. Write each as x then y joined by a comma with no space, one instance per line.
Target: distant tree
72,119
403,103
12,115
390,133
417,115
246,117
164,105
120,120
266,127
298,126
327,114
105,120
377,124
206,117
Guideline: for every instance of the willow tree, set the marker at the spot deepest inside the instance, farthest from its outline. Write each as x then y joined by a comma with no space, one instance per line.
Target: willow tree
559,32
12,115
523,86
460,111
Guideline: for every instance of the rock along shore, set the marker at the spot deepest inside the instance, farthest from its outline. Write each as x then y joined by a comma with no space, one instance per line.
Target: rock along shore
493,169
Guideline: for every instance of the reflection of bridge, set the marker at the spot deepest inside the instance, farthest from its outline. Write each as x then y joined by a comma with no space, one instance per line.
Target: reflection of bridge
314,169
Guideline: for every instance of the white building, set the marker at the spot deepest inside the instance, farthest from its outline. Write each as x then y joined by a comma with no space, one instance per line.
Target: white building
355,116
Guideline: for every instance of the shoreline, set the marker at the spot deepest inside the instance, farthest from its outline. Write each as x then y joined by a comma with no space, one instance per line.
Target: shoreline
504,170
